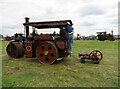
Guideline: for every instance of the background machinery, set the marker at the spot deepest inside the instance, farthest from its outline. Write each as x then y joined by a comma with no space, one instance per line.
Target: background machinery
104,36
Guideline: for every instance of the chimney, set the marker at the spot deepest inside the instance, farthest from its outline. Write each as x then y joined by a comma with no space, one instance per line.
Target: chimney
27,27
112,32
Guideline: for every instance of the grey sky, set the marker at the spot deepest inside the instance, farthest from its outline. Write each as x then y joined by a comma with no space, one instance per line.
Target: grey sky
88,16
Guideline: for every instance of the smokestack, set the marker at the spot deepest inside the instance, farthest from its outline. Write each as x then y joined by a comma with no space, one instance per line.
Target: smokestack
112,32
27,27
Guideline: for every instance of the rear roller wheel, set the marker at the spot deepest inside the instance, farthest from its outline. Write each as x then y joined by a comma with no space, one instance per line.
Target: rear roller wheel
47,52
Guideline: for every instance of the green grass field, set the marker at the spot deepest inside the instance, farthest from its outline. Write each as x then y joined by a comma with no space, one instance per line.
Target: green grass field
69,72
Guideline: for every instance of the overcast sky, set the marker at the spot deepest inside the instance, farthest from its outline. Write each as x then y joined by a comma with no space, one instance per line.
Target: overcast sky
88,16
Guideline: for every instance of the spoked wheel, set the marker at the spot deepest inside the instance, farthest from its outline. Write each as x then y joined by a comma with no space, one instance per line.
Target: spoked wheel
15,50
47,53
97,56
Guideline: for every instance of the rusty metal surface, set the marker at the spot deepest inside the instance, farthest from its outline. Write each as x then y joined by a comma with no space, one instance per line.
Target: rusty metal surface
62,46
15,50
94,56
29,50
44,37
47,52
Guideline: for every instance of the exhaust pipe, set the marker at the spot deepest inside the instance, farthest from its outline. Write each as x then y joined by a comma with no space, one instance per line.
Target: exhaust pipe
27,27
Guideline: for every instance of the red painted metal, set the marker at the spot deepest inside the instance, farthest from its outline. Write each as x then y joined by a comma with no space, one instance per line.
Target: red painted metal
29,49
47,52
60,44
95,56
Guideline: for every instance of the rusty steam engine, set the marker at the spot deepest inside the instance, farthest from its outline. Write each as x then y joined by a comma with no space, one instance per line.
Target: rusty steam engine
46,47
102,36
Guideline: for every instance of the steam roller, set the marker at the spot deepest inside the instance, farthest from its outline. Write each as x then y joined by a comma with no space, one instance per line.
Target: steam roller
47,47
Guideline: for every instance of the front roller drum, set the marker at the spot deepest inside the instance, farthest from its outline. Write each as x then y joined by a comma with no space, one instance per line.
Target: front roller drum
47,52
15,50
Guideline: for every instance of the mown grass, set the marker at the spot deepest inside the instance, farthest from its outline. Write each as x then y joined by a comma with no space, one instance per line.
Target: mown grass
69,72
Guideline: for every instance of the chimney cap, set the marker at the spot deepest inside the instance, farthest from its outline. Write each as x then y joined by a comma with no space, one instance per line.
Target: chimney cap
27,18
